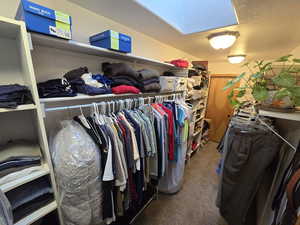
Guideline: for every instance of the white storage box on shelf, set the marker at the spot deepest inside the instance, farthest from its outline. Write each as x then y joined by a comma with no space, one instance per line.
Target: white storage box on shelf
180,84
167,83
180,72
173,83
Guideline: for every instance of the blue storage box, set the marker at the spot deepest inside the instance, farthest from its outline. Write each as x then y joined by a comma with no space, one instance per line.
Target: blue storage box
44,20
112,40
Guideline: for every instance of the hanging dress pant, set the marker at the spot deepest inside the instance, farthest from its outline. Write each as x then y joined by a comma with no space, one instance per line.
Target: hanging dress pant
249,155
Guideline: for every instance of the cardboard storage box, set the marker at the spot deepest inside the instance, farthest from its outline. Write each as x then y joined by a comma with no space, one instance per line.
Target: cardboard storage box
112,40
44,20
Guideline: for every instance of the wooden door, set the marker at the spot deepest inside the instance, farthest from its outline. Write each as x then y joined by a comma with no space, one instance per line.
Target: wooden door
219,109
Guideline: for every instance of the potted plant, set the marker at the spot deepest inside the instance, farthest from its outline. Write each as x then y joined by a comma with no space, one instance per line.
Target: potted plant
267,88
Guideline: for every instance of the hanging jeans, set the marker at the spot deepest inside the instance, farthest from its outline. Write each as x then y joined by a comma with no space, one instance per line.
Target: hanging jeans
249,154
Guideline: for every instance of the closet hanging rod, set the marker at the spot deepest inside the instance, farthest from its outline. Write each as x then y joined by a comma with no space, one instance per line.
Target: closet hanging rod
124,97
277,134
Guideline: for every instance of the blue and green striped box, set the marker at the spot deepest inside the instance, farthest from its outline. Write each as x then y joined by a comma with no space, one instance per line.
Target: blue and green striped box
44,20
112,40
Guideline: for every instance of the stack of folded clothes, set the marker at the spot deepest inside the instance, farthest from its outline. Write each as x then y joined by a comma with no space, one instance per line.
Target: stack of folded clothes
13,95
83,82
55,88
17,156
30,197
149,80
121,74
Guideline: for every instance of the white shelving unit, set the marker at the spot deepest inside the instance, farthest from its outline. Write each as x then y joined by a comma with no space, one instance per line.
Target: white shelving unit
38,214
26,121
26,179
279,115
19,108
101,97
74,46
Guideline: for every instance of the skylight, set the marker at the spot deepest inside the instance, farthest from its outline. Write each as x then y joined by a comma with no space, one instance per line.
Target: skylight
191,16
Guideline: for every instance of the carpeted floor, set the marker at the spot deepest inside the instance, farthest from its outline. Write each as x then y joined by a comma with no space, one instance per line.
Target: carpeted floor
195,203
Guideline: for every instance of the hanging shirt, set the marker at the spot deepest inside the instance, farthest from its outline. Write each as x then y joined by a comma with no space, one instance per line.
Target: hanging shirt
171,153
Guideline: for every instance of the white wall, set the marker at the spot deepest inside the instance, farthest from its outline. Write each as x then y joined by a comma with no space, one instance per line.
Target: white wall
296,52
87,23
225,68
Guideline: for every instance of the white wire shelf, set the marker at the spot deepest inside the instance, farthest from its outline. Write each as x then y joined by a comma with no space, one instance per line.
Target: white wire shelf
287,116
18,182
35,216
74,46
106,96
19,108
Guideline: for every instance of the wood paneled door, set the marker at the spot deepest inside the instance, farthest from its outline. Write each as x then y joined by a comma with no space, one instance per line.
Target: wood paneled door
219,109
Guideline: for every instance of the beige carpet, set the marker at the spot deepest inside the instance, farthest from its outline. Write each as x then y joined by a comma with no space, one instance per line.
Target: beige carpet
195,203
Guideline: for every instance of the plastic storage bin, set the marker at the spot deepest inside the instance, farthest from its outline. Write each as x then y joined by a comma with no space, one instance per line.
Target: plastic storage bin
112,40
167,83
180,84
180,72
44,20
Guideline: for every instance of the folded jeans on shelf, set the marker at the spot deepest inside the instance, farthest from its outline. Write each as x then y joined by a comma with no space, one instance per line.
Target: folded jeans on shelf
29,192
13,95
32,206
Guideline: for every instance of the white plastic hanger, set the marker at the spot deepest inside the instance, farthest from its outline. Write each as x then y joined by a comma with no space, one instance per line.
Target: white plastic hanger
83,119
277,134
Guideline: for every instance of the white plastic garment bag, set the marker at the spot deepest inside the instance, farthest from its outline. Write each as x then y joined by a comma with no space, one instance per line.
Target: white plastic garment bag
78,173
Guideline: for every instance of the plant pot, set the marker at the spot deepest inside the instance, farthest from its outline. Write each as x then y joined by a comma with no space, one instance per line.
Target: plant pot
284,105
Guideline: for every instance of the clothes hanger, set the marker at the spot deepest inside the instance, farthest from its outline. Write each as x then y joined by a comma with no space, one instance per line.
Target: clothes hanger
83,119
277,134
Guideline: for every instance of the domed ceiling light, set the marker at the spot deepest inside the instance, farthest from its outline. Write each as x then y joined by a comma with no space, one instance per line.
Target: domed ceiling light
223,40
234,59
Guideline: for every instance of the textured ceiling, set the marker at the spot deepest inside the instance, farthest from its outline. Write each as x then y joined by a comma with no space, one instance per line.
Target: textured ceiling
268,28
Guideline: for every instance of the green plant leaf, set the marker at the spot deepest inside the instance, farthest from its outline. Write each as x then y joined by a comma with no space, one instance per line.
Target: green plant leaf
297,101
296,60
295,91
260,93
284,79
280,94
230,95
234,102
228,85
283,58
267,67
246,64
241,93
256,75
294,70
238,78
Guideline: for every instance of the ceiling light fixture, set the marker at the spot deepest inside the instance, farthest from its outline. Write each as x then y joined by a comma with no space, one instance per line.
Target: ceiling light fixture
223,40
234,59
